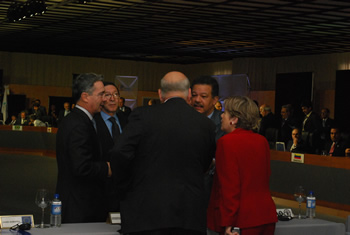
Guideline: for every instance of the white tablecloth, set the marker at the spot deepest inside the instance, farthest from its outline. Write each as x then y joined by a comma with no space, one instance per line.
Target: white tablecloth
309,227
74,229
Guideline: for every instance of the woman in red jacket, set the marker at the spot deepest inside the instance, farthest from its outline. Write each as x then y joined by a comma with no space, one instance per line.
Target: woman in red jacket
240,195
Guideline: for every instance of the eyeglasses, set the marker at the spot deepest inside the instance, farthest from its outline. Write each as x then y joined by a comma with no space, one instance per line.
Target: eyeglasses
108,95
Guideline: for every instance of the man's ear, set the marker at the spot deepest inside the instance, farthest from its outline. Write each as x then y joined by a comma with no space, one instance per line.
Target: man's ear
216,99
160,96
189,96
84,97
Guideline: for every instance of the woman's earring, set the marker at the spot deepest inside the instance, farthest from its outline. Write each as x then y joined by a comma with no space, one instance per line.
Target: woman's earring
231,123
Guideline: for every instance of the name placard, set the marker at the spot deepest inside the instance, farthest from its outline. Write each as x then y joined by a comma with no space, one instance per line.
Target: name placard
114,218
17,128
297,157
7,221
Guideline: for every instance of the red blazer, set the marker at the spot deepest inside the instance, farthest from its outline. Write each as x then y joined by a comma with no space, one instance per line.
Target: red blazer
240,195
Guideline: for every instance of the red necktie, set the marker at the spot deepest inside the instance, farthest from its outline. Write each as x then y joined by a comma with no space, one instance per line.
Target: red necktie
332,149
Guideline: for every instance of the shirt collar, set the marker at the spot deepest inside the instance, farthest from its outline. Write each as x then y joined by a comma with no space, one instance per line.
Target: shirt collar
106,116
210,115
85,111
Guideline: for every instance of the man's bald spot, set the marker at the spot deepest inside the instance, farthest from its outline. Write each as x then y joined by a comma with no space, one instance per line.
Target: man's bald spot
174,76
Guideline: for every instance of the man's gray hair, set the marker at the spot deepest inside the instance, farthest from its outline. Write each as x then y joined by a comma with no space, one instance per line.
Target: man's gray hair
170,86
84,83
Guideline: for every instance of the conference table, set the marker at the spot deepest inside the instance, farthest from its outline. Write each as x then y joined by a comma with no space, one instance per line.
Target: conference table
73,229
309,227
292,227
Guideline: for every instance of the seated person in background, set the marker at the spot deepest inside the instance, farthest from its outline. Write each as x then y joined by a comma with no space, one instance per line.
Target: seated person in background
22,120
268,119
37,112
296,145
33,110
337,146
33,121
13,120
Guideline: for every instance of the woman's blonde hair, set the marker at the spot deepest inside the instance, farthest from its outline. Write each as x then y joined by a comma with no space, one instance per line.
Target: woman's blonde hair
245,109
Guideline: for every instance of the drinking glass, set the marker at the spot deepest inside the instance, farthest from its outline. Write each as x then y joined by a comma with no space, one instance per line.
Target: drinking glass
42,200
299,196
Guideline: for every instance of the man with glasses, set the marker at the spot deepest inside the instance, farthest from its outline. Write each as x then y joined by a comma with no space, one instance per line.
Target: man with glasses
109,125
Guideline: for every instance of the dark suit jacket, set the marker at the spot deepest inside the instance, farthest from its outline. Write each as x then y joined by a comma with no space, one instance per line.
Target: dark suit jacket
326,130
81,171
216,118
286,128
127,111
339,149
313,124
60,116
300,148
164,151
269,121
107,143
103,134
241,195
19,122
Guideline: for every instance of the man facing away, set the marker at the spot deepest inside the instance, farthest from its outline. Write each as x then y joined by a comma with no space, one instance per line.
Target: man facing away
109,125
82,172
162,155
268,119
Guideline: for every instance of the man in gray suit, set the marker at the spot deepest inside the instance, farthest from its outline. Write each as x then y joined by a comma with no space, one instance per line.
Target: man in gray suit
205,94
161,158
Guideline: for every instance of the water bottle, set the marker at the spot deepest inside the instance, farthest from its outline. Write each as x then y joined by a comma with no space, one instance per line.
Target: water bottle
56,208
311,205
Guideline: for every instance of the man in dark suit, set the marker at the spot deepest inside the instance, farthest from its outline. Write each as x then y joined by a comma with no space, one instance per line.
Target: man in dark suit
327,123
63,112
22,120
337,146
312,124
162,155
37,109
297,144
287,124
205,94
82,172
122,108
109,125
268,119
